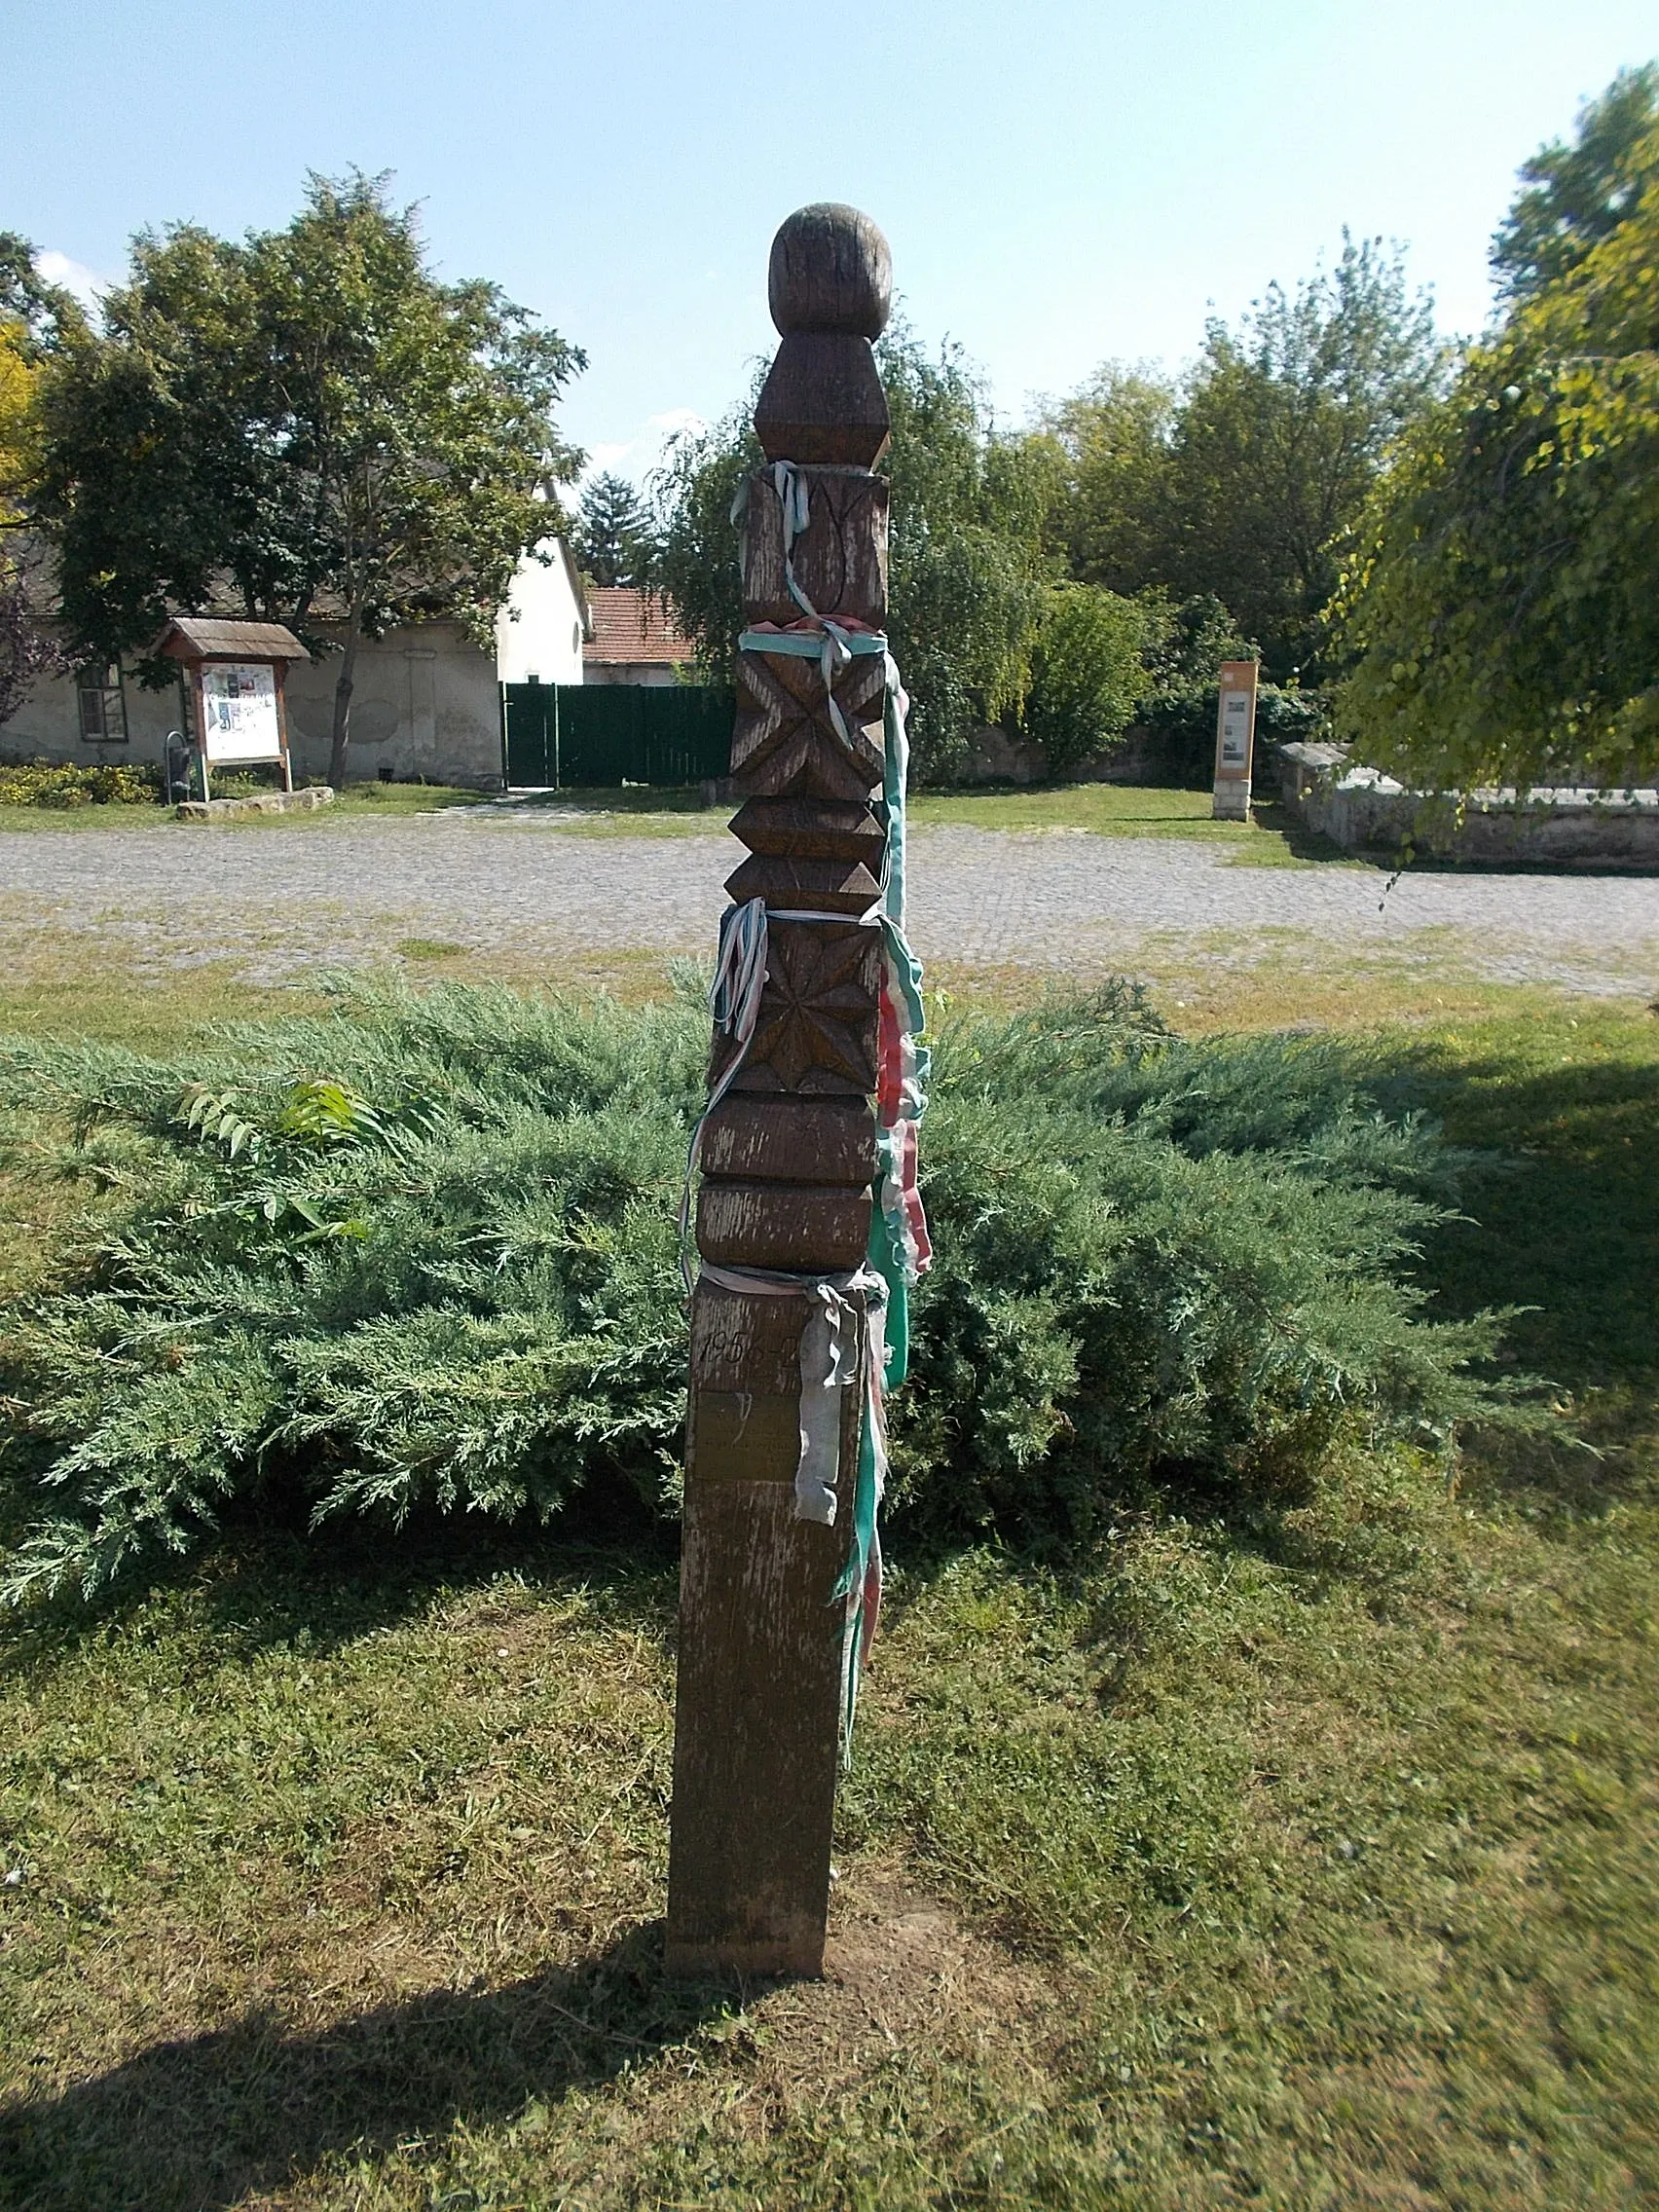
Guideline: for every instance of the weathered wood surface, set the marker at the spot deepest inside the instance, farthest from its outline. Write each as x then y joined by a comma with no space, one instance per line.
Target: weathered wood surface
788,1156
839,559
785,744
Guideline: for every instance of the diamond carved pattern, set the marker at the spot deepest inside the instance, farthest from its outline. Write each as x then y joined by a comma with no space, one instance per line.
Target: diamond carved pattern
817,1030
785,743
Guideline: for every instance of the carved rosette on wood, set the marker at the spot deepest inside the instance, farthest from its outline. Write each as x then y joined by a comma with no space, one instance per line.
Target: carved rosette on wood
788,1154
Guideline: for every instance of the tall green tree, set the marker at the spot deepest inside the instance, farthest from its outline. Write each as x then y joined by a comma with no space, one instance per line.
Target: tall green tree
614,534
35,317
1575,193
1279,438
1110,478
1503,602
30,646
966,563
42,316
1237,481
308,423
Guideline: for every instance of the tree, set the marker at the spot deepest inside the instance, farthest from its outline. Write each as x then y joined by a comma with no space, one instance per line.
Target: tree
30,646
1279,434
1088,672
1501,605
966,555
614,536
1237,482
1575,194
308,423
1106,520
42,316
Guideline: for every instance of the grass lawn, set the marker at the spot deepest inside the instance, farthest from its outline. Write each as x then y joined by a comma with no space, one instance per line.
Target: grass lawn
1106,810
1302,1860
357,802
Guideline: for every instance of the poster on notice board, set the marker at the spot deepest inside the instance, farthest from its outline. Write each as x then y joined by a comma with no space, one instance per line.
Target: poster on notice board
239,712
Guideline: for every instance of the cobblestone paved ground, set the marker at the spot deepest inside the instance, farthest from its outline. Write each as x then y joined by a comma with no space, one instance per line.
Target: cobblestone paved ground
281,900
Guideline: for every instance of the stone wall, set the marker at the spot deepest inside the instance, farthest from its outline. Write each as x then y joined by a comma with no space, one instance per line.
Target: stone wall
998,756
1362,810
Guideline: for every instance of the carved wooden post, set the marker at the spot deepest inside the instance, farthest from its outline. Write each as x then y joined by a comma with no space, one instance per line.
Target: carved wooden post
788,1151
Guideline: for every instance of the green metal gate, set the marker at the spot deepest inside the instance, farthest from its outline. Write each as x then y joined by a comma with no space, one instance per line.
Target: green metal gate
599,736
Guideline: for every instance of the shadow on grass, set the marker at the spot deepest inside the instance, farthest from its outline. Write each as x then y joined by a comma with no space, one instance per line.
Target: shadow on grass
1564,1224
198,2124
268,1582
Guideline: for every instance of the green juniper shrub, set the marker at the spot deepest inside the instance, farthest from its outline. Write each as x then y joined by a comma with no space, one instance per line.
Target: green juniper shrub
443,1271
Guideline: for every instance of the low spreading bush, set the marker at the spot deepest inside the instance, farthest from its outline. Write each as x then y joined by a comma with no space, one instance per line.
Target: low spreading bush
73,783
421,1253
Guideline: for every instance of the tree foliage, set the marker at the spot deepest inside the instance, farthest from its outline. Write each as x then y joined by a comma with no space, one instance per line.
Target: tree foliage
306,424
614,534
1088,672
43,315
1502,603
1576,192
443,1273
30,644
1106,520
1239,481
966,562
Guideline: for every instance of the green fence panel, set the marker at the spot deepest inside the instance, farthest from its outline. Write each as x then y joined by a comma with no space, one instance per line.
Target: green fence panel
529,716
597,736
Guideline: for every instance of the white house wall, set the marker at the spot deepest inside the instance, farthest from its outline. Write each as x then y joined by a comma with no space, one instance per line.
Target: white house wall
538,634
425,703
47,726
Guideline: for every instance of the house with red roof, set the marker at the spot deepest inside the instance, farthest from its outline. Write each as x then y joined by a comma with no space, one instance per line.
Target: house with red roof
632,639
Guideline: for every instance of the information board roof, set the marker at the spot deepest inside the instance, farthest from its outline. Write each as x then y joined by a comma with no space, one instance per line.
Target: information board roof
197,638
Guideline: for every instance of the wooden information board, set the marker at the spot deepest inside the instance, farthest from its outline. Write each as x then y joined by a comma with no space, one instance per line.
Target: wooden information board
1235,741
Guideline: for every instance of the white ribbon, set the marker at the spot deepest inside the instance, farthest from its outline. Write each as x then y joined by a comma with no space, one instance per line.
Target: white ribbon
827,1367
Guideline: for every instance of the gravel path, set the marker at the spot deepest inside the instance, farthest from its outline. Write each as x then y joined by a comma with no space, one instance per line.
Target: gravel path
281,900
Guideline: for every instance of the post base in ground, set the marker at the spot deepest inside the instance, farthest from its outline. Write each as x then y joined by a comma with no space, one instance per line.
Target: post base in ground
766,1959
1232,801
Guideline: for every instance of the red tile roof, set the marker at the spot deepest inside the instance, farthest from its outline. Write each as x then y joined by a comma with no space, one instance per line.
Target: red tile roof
633,626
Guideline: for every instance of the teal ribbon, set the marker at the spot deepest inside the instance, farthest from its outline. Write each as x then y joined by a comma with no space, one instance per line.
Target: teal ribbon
889,1312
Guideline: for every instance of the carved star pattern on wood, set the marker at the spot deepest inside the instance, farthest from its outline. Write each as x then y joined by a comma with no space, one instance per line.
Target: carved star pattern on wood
785,741
817,1026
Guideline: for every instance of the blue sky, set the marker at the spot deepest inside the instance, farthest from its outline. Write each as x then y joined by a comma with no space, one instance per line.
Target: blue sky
1061,182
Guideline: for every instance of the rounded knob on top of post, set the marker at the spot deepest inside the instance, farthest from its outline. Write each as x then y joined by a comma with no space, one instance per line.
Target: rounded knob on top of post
830,271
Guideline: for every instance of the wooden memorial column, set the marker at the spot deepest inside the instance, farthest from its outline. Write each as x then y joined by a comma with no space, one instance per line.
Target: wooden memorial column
788,1154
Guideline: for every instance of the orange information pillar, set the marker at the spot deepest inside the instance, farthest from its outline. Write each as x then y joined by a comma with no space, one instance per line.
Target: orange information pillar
1235,741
